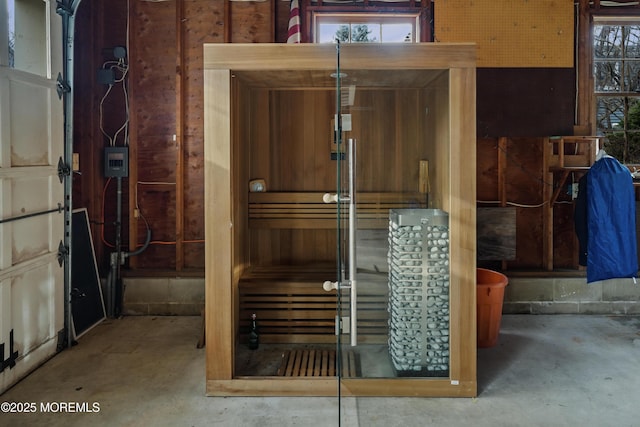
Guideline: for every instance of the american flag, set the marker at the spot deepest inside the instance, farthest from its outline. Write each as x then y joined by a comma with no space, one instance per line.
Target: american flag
293,36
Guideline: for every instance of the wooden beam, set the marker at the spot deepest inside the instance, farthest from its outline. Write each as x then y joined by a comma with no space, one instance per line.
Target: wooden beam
179,136
274,21
502,177
410,56
502,170
547,220
132,76
583,65
227,21
218,231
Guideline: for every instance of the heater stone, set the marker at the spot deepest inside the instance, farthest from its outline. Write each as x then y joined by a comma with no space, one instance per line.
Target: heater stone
419,292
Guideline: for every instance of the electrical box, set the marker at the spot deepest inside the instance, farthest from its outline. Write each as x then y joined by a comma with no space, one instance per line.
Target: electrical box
106,76
116,162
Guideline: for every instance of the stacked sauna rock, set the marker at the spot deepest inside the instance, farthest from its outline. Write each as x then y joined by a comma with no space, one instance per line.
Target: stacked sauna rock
419,295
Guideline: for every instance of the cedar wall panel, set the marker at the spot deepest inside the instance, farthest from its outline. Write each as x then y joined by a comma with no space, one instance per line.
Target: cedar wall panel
292,129
290,137
290,149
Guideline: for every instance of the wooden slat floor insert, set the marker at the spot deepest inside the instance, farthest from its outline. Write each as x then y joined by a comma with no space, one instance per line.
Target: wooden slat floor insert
316,363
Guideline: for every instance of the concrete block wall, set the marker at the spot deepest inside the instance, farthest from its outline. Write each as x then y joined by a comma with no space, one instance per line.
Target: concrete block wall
163,296
571,295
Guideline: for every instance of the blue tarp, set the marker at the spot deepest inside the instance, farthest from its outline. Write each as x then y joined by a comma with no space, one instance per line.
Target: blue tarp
611,221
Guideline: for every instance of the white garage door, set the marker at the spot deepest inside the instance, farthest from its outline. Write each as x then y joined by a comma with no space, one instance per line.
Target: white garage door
31,143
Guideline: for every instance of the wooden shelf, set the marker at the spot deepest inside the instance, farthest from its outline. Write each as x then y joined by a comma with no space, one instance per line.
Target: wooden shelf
563,156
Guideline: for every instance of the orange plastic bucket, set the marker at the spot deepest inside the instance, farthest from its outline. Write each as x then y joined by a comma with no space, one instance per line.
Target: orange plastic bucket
490,295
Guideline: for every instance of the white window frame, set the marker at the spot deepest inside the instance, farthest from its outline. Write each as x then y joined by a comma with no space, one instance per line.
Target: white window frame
351,18
625,94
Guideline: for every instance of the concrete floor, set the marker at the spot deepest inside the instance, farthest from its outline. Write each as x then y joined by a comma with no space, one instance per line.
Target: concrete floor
547,370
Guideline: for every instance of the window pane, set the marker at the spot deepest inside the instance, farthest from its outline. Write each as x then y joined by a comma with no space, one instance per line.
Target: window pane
631,37
607,41
631,76
621,143
10,28
616,42
617,76
616,52
365,33
327,33
365,27
395,33
609,113
28,35
607,76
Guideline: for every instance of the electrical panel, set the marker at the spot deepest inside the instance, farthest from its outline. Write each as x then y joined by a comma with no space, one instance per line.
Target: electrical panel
116,162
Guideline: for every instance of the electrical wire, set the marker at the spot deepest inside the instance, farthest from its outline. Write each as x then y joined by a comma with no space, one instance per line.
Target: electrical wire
121,66
126,137
104,191
101,114
139,212
519,205
125,125
157,242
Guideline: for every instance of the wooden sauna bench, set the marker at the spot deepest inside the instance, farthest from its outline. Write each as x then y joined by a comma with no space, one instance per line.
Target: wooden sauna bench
306,210
289,301
292,307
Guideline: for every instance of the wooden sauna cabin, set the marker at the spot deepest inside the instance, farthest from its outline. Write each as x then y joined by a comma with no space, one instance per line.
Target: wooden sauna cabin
272,151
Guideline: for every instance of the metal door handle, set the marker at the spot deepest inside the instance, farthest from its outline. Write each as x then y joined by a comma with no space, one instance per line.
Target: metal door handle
353,261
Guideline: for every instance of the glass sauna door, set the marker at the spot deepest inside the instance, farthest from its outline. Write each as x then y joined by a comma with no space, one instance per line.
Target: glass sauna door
393,239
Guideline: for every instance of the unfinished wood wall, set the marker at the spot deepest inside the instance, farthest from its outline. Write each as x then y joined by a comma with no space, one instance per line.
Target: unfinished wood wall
166,182
166,128
100,26
511,172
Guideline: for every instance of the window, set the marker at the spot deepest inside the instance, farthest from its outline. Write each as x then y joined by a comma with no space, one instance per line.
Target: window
616,62
366,28
26,30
